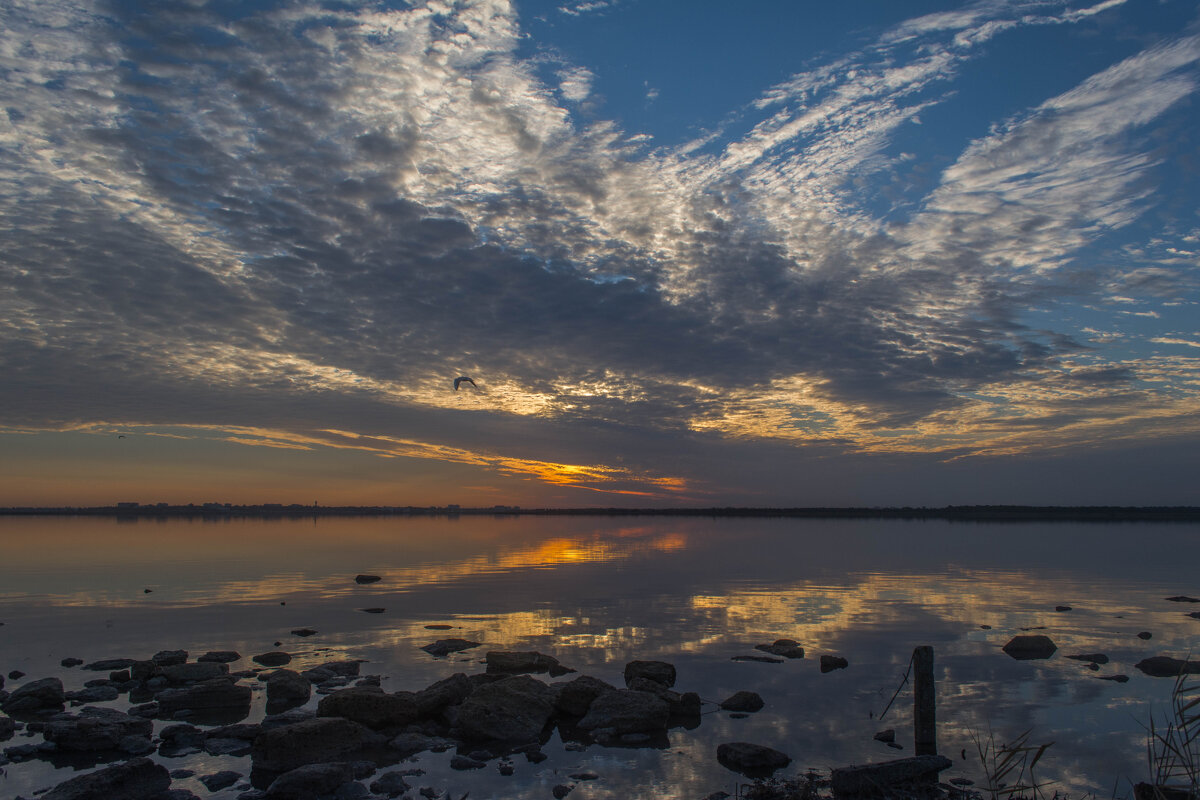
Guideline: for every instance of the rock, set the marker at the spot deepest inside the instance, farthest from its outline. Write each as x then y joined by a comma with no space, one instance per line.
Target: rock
332,669
509,662
751,760
1062,608
220,780
584,776
166,658
743,701
439,627
626,711
8,727
887,736
1195,615
830,663
1027,648
561,790
179,673
139,779
375,610
875,780
95,729
16,675
576,696
304,632
1093,658
310,781
657,671
1182,598
35,695
1167,667
466,762
788,648
272,659
391,784
1117,678
313,741
287,689
93,694
1145,635
290,717
514,709
216,694
71,662
226,747
444,647
369,706
761,659
109,664
220,656
447,692
408,744
367,579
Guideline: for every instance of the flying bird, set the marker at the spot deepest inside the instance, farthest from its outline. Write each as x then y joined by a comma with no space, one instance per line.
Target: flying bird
463,379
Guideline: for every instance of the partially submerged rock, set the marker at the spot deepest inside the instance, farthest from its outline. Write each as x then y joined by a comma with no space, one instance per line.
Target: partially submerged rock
830,663
34,696
287,689
881,780
1167,667
274,658
1094,658
443,647
743,701
217,694
1027,648
751,760
220,656
657,671
788,648
367,579
575,697
520,662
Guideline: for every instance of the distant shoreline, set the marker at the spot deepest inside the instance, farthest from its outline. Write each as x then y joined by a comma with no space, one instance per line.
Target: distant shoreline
982,513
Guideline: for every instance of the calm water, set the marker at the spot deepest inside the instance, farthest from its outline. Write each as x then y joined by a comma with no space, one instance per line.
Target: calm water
598,592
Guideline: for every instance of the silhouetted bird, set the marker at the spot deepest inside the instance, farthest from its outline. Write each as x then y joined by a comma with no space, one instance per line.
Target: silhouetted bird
463,379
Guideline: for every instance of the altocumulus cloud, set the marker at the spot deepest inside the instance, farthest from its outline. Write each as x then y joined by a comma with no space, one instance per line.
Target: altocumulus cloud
296,222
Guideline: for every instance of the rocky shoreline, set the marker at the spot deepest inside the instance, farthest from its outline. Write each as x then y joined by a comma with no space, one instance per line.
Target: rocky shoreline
359,741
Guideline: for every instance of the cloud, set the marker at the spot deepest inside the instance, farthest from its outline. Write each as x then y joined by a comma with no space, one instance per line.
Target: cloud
273,223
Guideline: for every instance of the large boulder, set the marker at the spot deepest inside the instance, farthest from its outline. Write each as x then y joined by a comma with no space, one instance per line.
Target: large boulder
139,779
314,741
96,729
575,697
657,671
514,709
626,711
1027,648
516,662
370,706
217,694
34,696
743,701
751,760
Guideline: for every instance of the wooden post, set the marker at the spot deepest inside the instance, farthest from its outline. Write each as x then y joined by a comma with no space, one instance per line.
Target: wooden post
924,703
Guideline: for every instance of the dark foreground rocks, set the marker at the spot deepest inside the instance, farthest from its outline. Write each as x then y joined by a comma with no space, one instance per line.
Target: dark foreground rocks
1167,667
314,741
34,696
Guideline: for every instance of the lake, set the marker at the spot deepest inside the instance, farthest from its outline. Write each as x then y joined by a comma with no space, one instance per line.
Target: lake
598,592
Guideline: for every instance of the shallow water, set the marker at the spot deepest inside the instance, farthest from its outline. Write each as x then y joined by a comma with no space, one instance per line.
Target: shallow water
598,592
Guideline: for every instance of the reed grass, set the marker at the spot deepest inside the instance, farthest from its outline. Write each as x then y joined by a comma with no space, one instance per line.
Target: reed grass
1173,747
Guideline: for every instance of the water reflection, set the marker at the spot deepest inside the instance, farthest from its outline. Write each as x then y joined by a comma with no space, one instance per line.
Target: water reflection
597,593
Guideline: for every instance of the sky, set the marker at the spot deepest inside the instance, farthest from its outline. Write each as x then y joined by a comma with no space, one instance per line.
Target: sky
761,254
